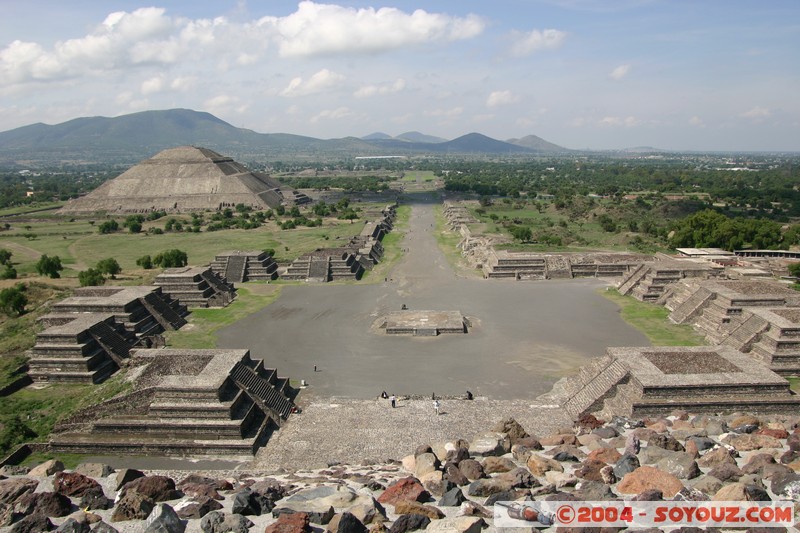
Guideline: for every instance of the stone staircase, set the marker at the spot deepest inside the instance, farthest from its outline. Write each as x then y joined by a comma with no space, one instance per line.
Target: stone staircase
235,269
633,278
168,317
594,391
743,336
691,307
319,269
267,390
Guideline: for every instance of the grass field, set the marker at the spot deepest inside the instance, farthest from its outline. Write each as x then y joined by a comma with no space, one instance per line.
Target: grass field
79,245
203,324
652,320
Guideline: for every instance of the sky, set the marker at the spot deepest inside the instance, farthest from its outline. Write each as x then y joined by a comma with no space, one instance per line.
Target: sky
596,74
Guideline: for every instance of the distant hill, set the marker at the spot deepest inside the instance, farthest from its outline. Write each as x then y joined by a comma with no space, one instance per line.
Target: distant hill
417,137
138,136
537,144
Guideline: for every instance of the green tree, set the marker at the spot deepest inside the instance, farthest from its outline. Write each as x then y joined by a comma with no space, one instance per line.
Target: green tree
521,233
794,270
49,266
8,272
91,278
13,300
109,226
146,262
109,266
171,259
5,256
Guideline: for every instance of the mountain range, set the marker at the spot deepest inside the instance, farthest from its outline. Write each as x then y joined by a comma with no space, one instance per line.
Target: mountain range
137,136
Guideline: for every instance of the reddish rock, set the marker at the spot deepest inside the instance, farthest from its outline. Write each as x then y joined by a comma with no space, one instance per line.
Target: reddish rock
408,488
43,503
471,468
775,433
492,465
607,455
290,523
198,508
589,421
199,490
132,506
717,457
512,428
648,477
691,449
734,492
197,479
590,470
73,484
411,507
539,465
744,420
158,488
747,442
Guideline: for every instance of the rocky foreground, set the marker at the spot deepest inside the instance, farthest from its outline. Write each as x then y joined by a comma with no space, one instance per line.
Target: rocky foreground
440,487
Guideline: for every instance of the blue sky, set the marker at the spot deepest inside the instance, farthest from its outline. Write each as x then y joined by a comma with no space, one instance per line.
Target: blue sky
683,75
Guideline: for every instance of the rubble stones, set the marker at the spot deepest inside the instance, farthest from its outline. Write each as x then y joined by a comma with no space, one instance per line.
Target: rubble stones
217,522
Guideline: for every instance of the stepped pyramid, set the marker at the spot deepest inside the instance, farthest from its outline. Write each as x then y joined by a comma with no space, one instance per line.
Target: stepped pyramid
186,178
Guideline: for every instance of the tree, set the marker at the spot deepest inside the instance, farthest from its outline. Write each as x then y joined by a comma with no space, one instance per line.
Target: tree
5,256
109,266
49,266
13,300
171,259
145,262
8,272
109,226
521,233
794,270
91,277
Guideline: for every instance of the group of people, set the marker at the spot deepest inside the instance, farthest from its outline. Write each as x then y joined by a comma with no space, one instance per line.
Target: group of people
437,405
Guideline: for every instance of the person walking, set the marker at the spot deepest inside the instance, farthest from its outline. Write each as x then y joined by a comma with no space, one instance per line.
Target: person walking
393,401
436,406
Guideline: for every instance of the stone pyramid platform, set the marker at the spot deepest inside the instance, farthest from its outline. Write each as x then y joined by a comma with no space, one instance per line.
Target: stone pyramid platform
186,178
88,336
217,402
242,266
653,381
196,287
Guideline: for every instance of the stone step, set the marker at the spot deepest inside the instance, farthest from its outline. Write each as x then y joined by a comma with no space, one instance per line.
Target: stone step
786,405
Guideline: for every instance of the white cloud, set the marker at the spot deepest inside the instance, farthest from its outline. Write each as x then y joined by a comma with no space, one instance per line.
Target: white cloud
619,72
318,29
320,81
498,98
526,43
697,122
183,83
332,114
152,85
373,90
448,113
616,122
757,113
223,104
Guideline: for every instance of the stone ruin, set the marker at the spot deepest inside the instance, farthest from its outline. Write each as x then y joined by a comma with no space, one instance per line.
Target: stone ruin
480,252
184,179
88,336
185,402
361,253
196,286
655,381
755,317
242,266
648,282
423,323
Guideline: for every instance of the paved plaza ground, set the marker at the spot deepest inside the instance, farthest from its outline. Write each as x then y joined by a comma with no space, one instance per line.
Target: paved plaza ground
525,335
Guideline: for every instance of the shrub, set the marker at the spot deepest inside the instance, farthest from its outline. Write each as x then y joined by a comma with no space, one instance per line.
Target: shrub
109,226
91,277
171,259
13,300
5,256
109,266
49,266
146,262
8,272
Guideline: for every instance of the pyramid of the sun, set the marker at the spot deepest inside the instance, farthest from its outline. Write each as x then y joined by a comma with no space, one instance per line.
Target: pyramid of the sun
186,178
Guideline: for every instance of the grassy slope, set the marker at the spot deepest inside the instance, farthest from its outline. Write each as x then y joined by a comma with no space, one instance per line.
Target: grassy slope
651,320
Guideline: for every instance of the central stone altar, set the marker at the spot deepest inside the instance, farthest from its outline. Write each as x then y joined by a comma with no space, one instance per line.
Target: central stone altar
423,323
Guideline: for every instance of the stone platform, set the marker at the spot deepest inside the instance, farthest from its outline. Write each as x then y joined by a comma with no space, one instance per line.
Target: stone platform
87,336
242,266
652,381
423,323
196,286
204,402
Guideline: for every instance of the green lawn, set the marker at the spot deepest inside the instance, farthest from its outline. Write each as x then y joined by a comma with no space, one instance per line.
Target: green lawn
203,324
651,319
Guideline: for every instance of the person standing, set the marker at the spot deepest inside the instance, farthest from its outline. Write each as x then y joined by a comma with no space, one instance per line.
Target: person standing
393,400
436,406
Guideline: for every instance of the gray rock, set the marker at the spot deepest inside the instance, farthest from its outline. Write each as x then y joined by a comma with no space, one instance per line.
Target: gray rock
594,491
126,475
132,506
668,442
426,463
490,444
653,454
35,523
219,522
707,484
606,432
348,524
164,519
489,486
94,470
755,493
452,498
726,472
702,443
317,514
716,427
249,503
95,499
681,465
70,525
471,469
786,485
197,508
520,478
102,527
12,489
626,464
409,522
